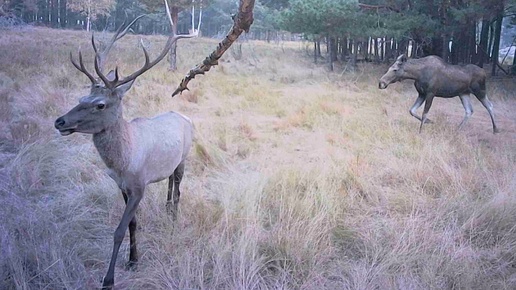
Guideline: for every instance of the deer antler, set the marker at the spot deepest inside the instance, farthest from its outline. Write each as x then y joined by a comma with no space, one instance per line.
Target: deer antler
121,32
148,64
81,67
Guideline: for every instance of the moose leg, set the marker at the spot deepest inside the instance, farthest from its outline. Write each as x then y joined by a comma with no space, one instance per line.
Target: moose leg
489,106
419,101
175,179
133,200
133,253
467,107
428,104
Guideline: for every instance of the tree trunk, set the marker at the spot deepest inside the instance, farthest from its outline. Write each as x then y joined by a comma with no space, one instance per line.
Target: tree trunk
54,12
376,50
315,51
513,69
473,52
172,56
382,48
445,48
387,49
402,47
491,40
496,41
332,45
484,34
63,17
355,54
318,51
454,51
344,48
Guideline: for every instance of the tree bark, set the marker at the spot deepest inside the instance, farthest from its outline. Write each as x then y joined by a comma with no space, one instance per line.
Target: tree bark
172,56
496,41
344,48
491,40
513,69
332,49
54,12
484,34
63,17
315,51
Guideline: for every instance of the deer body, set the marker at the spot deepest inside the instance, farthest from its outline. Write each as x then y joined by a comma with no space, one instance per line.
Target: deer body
435,78
149,149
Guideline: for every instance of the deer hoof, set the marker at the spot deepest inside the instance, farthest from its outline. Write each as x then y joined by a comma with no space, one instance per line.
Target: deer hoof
107,284
131,265
428,121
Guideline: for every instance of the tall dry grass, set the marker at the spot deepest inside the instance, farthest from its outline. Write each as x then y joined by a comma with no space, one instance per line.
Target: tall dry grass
300,179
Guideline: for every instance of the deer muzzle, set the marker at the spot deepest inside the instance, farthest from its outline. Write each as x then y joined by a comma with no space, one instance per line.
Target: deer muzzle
382,85
61,126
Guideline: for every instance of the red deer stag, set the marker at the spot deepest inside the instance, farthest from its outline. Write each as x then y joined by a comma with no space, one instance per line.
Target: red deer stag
136,153
435,78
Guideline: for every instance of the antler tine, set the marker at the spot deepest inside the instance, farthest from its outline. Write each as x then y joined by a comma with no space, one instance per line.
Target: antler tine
116,75
106,81
121,33
149,64
100,56
81,67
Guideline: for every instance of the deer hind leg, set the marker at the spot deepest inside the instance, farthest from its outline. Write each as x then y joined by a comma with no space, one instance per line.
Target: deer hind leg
467,108
173,190
489,107
428,103
419,101
133,199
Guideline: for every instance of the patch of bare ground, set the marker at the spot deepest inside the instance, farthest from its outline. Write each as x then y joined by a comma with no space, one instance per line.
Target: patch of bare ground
298,179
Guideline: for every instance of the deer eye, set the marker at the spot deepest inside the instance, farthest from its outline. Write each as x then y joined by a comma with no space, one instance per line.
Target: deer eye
101,106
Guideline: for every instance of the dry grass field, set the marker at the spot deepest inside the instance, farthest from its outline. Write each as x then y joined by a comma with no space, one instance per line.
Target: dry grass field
298,179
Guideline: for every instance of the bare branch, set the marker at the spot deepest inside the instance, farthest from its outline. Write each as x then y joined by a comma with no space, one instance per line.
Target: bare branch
242,22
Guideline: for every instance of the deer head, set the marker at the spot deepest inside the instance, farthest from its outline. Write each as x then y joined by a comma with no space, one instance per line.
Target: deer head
101,108
394,74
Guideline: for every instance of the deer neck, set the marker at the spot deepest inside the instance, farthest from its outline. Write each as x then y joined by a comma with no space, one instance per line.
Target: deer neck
412,71
114,145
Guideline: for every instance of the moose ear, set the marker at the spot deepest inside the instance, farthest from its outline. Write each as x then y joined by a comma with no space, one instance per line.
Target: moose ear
402,58
122,89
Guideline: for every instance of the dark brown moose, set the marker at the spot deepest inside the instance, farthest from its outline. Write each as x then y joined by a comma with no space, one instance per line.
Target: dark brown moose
435,78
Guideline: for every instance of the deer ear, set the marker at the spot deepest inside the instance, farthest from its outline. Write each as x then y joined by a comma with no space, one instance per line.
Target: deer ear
402,58
122,89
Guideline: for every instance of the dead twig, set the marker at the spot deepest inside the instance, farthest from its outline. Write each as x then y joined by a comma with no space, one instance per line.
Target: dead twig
242,22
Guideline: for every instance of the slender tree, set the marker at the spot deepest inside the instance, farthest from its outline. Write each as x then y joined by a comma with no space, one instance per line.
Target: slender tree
91,9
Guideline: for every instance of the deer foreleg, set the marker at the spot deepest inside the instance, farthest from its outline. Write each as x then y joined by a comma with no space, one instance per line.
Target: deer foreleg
133,199
419,101
133,253
428,104
467,107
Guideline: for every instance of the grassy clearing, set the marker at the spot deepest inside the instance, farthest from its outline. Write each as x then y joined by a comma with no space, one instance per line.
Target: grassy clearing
299,179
